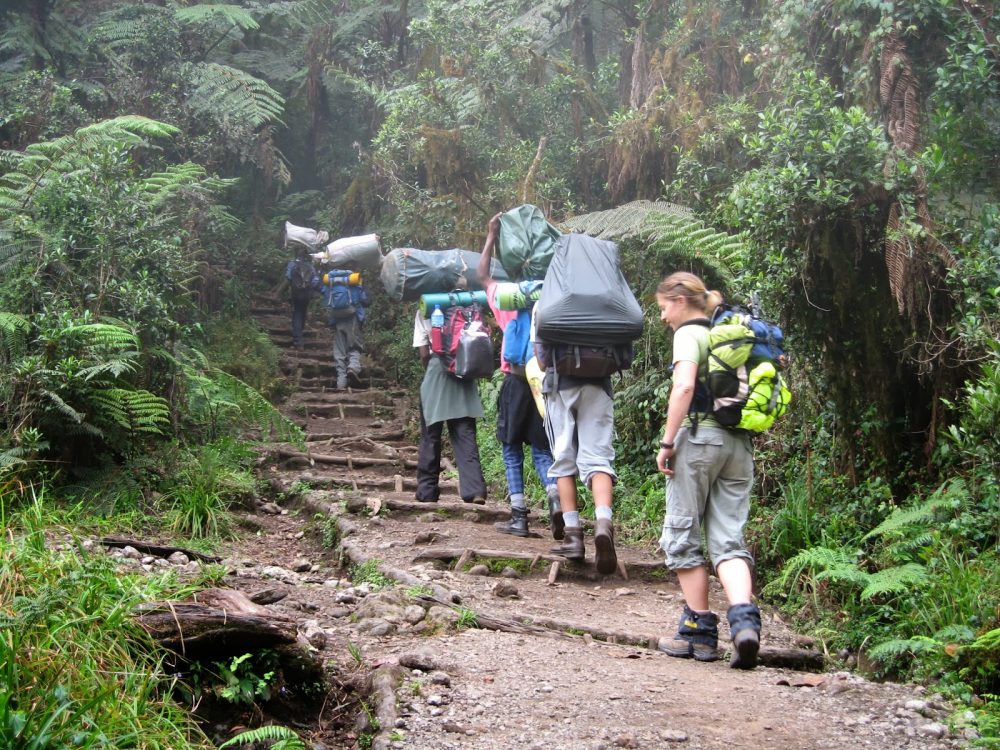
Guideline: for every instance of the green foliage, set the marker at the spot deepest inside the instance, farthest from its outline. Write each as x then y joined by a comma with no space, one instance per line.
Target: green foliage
467,618
368,572
239,681
75,668
286,738
213,477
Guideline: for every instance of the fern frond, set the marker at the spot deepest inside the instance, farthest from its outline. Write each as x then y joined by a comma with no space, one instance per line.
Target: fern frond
104,335
628,220
234,96
161,187
847,572
288,739
951,493
62,407
956,634
895,580
114,368
892,649
136,411
13,336
811,563
233,15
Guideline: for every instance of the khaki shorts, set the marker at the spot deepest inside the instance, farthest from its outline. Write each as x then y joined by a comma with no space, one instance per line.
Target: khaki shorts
580,423
708,494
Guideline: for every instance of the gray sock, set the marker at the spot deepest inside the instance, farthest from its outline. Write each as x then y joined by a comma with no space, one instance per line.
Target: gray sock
601,512
572,519
517,501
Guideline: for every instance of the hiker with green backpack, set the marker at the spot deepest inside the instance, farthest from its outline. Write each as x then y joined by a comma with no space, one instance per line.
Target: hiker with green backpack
518,420
710,475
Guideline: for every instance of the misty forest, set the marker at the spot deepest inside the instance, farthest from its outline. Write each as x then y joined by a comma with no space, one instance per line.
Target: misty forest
839,160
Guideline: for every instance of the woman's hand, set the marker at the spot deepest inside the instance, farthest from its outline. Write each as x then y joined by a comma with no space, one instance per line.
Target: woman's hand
665,460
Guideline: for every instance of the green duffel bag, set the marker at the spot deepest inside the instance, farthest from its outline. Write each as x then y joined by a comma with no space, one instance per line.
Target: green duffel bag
526,243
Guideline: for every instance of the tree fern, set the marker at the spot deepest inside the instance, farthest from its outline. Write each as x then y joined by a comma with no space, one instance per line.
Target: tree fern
103,336
286,738
48,160
162,187
232,15
233,97
803,570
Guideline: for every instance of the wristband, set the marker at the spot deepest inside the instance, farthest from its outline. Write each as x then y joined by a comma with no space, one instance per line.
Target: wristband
668,446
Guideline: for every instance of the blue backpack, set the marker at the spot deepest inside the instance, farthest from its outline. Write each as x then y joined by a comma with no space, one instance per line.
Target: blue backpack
517,349
343,298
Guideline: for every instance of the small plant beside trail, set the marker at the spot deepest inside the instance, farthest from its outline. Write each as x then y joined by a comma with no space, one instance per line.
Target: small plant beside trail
214,479
369,573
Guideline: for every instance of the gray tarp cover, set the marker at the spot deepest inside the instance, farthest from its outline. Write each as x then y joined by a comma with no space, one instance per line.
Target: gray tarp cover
585,299
407,273
526,242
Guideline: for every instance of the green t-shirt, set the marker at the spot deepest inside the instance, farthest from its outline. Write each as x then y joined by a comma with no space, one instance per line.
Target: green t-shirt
691,345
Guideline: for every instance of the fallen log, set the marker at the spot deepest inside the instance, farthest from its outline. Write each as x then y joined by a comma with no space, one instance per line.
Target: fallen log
157,549
215,620
348,461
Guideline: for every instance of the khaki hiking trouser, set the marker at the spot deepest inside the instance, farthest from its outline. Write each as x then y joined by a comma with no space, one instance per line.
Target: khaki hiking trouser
709,492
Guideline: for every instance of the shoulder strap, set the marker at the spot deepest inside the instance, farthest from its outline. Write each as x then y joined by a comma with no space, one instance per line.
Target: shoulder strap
696,322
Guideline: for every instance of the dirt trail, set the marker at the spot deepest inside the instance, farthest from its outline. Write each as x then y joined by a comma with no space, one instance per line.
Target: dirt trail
561,657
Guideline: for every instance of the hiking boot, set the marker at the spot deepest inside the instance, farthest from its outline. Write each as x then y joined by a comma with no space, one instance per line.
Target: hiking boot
697,637
425,499
477,500
744,629
517,525
354,378
604,547
556,522
572,544
341,382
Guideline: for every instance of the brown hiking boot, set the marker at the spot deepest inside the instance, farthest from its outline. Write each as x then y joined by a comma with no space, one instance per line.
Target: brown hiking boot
572,544
697,637
604,547
555,513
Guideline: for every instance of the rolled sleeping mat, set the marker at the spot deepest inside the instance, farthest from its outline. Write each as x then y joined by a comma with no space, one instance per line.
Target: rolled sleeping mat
449,299
535,377
518,296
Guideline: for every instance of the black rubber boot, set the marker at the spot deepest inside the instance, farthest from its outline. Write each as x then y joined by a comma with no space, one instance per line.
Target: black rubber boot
744,629
517,525
697,637
572,544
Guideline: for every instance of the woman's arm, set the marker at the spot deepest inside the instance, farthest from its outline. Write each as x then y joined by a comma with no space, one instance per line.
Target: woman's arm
681,393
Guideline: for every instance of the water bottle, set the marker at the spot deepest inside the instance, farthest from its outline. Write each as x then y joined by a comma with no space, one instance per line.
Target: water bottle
437,329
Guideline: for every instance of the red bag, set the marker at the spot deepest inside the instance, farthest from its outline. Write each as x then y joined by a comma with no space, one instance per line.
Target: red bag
466,346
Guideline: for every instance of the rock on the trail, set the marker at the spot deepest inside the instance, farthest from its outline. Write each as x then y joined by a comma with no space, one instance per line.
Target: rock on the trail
279,574
509,572
440,677
479,570
272,509
131,553
302,565
376,626
413,614
934,729
422,660
269,596
179,558
441,616
313,633
505,590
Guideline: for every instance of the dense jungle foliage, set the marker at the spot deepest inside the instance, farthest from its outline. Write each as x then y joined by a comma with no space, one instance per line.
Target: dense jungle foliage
840,157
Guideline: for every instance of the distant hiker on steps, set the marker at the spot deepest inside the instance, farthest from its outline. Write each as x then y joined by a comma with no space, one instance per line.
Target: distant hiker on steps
710,470
518,420
444,399
303,281
346,301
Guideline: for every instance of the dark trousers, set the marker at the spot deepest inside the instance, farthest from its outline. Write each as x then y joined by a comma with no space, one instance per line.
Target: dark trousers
299,310
462,433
